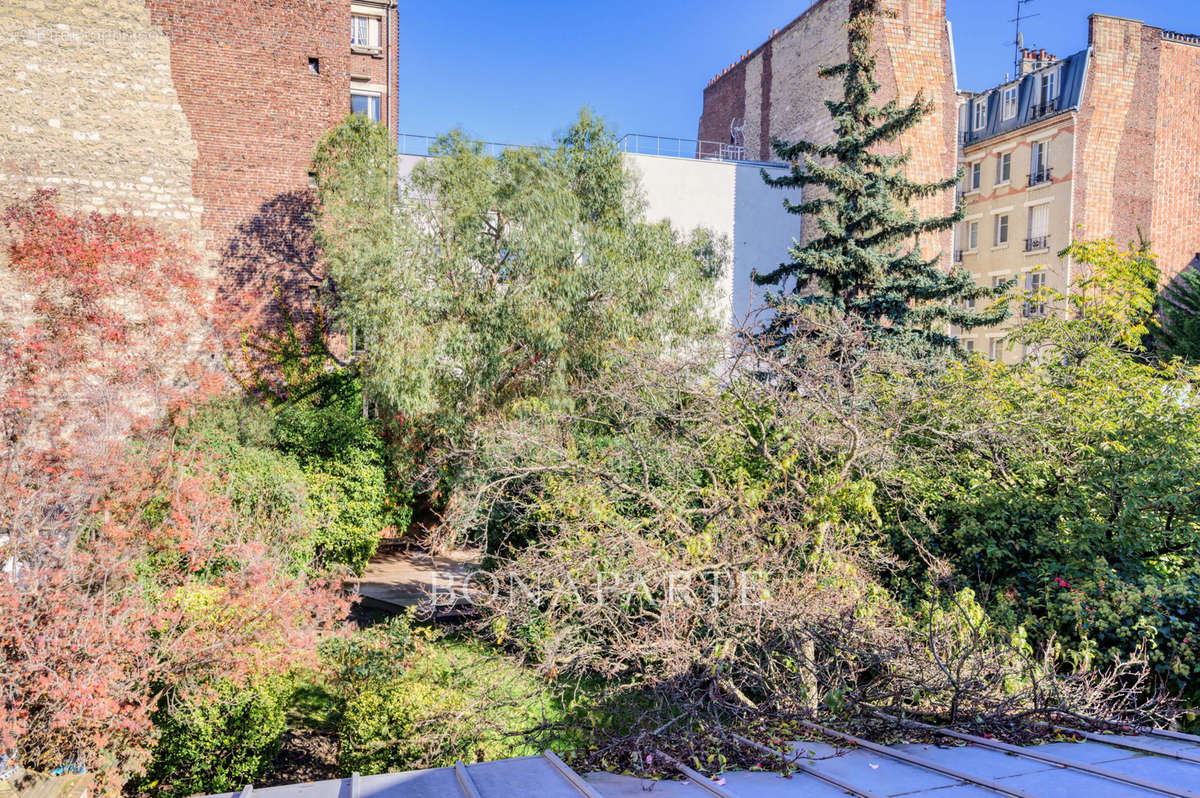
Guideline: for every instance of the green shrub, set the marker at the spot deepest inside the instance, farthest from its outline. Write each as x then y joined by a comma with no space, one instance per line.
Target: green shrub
412,699
349,502
219,742
327,423
386,727
375,654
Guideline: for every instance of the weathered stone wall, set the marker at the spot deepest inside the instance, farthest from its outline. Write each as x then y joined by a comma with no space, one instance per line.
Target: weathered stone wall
201,113
88,107
776,91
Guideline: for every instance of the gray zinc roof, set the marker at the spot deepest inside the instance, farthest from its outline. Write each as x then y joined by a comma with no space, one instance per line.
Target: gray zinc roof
1070,73
1103,766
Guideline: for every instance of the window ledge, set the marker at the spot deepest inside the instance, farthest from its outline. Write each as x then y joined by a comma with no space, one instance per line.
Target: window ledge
1004,183
1038,251
999,246
375,52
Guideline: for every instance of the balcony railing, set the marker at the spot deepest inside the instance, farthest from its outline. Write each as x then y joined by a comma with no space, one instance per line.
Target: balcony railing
1040,110
1040,176
642,144
958,256
637,143
1036,243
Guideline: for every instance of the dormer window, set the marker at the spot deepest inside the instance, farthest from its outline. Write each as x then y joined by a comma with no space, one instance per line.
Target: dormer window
1049,86
1010,103
980,114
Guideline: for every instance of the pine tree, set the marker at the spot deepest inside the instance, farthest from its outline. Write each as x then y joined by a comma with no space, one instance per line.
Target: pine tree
866,263
1176,332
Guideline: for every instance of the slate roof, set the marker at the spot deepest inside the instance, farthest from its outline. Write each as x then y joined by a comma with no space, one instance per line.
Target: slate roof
1029,109
1104,766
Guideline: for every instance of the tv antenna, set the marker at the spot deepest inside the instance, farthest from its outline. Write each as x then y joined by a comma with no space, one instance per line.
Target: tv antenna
1019,38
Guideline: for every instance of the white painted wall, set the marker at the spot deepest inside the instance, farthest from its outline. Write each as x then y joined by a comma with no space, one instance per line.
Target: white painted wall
732,200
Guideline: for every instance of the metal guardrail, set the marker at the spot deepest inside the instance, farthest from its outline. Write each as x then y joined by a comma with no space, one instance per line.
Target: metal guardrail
635,143
415,144
669,146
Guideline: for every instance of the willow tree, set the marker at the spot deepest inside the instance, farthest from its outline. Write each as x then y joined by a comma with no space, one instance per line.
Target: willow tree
866,263
499,278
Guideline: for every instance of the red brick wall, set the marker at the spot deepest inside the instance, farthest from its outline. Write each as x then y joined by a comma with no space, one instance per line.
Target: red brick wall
241,71
1139,124
1114,188
724,101
776,90
1175,231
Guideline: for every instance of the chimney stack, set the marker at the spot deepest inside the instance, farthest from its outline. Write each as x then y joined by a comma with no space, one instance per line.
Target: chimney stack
1032,60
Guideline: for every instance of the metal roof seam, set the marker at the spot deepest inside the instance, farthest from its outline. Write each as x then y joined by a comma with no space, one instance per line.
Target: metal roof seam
825,777
465,781
1118,742
699,779
570,775
900,756
1026,753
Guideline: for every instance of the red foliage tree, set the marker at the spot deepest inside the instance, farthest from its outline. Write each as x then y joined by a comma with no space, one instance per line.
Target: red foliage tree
127,575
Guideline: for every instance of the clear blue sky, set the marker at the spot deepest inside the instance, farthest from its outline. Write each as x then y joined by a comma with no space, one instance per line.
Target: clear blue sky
516,71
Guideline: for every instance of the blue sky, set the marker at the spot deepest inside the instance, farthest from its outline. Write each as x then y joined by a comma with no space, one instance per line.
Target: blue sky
516,71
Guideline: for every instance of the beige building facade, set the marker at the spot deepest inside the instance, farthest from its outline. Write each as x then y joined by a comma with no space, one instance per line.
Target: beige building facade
1100,144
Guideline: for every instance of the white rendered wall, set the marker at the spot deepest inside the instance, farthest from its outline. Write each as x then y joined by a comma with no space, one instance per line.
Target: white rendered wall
731,200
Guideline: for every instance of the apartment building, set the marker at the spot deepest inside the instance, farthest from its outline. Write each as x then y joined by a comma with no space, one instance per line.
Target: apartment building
1018,159
1098,144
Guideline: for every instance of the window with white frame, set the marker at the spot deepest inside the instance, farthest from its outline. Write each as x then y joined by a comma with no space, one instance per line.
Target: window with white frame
972,236
974,176
980,113
1004,168
1039,228
994,349
969,344
365,31
1000,237
366,103
1010,102
1049,86
1035,284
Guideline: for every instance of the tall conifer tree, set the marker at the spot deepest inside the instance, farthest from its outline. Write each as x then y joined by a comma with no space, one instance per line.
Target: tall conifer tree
866,264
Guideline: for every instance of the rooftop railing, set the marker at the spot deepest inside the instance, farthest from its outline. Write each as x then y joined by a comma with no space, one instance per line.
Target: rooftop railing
671,147
636,143
414,144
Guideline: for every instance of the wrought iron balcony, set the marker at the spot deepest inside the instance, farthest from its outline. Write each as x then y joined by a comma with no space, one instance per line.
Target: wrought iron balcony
1037,243
1040,176
958,256
1043,109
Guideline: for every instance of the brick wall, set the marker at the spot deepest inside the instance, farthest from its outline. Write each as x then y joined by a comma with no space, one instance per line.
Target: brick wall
1175,230
1115,156
775,89
1139,133
200,113
241,68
